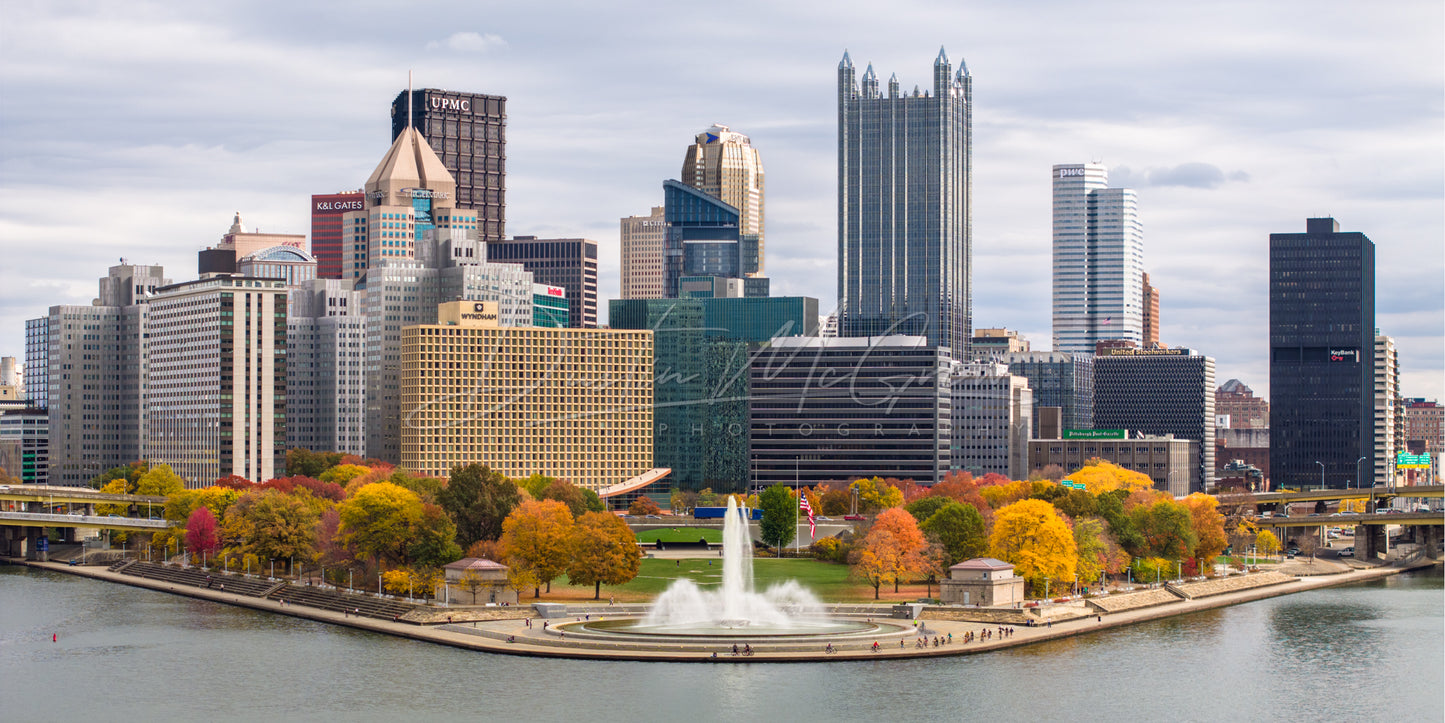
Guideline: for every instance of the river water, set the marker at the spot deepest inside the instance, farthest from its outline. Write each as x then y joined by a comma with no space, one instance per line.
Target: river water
1371,651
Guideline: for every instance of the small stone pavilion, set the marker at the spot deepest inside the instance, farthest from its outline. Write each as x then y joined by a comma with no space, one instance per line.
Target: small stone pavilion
982,581
490,582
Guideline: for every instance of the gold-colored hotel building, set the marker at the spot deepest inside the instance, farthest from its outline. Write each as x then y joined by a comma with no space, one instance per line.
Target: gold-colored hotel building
575,404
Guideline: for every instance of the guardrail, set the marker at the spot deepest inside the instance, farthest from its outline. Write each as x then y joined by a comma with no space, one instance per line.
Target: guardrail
83,520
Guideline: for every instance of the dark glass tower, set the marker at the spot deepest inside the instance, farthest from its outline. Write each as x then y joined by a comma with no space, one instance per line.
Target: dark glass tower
468,131
1322,360
704,241
904,219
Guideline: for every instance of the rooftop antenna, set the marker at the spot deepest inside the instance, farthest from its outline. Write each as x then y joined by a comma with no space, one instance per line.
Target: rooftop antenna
408,99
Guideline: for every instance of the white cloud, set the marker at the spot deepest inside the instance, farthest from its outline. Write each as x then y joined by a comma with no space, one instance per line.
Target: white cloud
469,42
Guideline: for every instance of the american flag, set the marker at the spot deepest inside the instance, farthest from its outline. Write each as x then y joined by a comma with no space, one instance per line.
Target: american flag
804,506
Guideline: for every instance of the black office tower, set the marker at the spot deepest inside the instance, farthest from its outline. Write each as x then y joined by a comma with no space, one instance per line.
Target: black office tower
1322,343
469,132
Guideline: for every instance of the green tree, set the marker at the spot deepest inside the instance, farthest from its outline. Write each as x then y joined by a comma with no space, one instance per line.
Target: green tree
537,536
535,484
131,473
604,551
924,507
379,521
435,540
426,488
1091,539
305,463
959,529
1167,527
780,516
478,498
159,481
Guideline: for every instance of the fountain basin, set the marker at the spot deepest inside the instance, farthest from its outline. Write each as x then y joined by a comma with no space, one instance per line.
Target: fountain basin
798,627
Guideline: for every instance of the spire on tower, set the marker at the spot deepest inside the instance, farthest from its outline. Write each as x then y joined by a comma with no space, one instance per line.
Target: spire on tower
847,62
942,58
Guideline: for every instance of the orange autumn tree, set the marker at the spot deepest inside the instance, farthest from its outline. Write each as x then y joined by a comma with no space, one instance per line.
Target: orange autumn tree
1208,528
1031,535
604,550
537,536
893,548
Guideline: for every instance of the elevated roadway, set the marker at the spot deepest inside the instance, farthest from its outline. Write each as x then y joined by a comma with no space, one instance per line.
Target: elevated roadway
1340,520
90,522
55,494
1329,495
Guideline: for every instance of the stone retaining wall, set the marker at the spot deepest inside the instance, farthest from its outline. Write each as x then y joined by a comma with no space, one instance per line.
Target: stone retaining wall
976,615
1133,600
1219,586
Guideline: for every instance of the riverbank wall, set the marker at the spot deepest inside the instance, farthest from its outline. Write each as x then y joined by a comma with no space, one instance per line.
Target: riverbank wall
510,636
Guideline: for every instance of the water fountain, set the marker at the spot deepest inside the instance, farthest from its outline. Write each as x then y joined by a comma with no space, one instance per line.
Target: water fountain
735,609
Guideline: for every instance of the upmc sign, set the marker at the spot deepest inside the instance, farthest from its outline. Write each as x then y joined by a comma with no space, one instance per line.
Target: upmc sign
337,203
456,104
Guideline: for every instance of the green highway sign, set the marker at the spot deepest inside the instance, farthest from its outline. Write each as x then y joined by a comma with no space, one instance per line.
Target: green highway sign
1405,460
1094,434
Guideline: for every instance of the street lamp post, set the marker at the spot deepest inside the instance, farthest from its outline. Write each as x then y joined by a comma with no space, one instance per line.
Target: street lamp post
1357,473
1322,474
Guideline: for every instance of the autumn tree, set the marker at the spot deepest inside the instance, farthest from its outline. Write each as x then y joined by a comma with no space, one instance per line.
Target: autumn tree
1002,495
329,548
1267,542
642,506
342,474
1100,475
160,481
604,550
780,516
875,494
478,499
1097,552
114,487
202,534
1208,524
538,536
379,521
131,473
877,560
426,488
1031,535
535,485
959,529
272,525
907,540
235,482
835,502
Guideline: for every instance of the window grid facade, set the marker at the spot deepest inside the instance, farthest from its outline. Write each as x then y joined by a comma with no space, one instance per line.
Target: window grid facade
568,403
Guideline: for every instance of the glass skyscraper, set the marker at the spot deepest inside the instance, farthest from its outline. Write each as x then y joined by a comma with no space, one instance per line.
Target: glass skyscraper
904,206
1321,356
1098,260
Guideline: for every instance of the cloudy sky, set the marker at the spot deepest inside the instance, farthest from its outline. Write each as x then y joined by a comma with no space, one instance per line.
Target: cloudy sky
137,129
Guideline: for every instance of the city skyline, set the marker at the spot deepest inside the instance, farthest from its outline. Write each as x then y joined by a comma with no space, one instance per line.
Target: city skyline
1226,135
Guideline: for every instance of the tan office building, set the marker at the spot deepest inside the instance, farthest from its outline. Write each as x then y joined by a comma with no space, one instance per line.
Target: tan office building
644,238
574,404
723,164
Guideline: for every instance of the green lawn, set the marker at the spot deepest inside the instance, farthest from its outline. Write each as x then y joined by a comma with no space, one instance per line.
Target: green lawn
681,534
826,580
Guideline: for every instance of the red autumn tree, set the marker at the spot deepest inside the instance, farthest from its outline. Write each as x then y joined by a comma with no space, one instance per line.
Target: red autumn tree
202,532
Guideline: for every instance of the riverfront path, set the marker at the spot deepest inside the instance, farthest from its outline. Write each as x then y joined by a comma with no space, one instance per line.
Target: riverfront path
492,634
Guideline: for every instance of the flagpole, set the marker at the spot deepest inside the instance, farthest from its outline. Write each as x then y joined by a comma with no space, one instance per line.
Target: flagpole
797,512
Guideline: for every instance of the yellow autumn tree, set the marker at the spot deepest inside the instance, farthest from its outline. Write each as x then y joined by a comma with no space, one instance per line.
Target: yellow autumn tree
1031,535
537,536
908,540
1266,542
1101,476
113,487
1002,495
876,494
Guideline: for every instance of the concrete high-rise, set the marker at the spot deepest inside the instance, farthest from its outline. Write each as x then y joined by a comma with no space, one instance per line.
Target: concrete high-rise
1321,354
468,131
905,206
326,367
1160,392
1151,315
570,263
724,164
1389,417
1098,260
992,419
217,378
88,366
644,241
